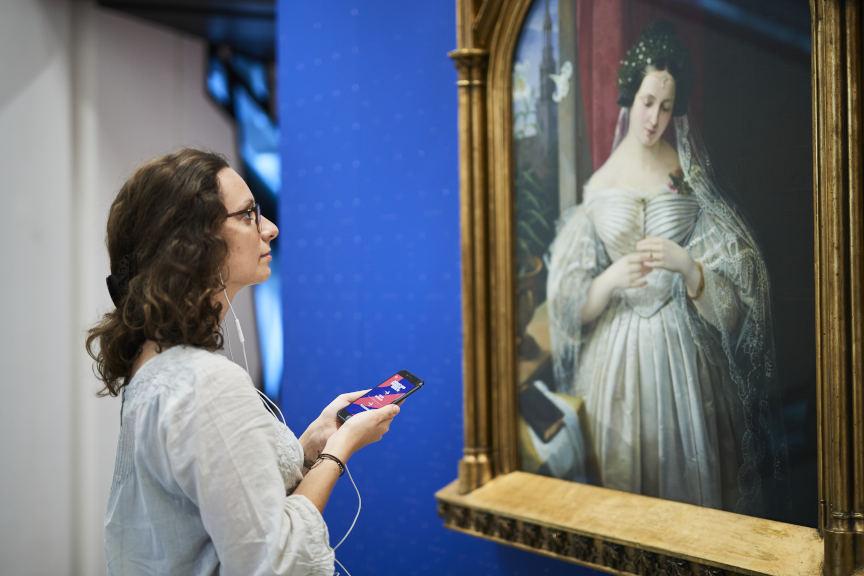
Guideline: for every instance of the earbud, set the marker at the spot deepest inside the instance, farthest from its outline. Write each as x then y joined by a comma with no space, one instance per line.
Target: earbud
236,320
239,330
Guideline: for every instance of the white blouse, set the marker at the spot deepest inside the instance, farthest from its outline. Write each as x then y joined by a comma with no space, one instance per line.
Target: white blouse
203,477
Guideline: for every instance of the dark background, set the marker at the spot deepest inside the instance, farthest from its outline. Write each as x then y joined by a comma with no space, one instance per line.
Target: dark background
756,123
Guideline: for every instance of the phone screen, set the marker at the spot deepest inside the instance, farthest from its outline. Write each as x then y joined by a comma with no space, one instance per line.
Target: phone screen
391,390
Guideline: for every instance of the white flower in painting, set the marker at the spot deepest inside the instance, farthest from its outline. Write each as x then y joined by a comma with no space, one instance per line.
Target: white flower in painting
562,82
524,103
522,92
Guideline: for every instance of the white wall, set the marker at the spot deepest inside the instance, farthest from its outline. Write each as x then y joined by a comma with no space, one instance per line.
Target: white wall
36,232
85,95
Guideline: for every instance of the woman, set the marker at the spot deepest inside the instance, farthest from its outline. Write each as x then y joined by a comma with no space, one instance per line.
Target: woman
658,302
206,481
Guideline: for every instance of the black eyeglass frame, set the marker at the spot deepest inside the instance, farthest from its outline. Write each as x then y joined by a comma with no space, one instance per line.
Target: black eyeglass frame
254,209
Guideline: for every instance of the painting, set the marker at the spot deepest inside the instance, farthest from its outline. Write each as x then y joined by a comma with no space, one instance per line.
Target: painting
700,410
663,250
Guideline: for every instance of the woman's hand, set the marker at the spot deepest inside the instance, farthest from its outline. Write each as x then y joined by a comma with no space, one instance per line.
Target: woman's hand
360,430
320,430
627,272
668,255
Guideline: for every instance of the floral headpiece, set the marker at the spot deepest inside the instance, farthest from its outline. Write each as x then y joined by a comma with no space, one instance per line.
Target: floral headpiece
658,46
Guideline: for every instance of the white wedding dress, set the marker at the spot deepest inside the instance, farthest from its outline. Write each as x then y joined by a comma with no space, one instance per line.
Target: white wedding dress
659,411
677,393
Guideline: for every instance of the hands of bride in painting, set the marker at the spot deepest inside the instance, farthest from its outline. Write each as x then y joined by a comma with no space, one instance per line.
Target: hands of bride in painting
320,430
627,272
668,255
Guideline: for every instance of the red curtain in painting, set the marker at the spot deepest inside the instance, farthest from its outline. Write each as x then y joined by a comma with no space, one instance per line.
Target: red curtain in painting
606,29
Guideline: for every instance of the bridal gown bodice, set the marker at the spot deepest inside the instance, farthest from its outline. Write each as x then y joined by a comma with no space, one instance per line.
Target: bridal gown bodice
623,217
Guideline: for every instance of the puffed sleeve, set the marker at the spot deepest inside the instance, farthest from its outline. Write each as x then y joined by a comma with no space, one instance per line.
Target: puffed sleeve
575,259
731,269
221,448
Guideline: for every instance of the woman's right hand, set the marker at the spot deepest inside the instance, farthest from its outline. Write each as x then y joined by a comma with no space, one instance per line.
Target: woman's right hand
627,272
360,430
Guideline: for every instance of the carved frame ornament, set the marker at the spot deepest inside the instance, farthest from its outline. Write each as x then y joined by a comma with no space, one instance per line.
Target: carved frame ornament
618,532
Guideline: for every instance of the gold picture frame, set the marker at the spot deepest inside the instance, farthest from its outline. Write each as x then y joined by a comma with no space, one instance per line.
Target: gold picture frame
626,533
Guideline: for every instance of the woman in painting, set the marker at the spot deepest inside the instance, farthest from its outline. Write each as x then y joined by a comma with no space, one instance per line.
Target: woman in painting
659,307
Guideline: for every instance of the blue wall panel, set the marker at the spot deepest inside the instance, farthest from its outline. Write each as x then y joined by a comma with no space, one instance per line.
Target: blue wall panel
370,266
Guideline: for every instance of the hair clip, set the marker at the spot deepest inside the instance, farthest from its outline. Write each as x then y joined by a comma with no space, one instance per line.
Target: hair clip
118,283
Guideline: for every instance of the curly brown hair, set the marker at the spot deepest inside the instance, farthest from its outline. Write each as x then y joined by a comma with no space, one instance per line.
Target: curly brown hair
166,250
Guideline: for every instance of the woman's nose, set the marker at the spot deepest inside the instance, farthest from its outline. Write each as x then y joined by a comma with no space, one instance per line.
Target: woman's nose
654,116
269,231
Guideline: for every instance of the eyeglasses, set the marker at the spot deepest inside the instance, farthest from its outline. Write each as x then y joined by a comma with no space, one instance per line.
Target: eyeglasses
248,213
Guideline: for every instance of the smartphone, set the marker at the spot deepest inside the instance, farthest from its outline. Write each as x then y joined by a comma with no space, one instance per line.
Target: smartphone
393,390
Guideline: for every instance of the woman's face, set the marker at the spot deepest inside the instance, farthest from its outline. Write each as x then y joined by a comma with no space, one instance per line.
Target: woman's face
248,248
652,107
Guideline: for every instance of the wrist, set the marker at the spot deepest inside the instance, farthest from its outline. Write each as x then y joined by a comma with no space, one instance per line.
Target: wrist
310,440
605,281
327,457
339,447
695,281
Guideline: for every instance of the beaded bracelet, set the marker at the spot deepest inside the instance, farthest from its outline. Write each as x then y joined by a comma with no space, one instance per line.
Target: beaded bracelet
325,456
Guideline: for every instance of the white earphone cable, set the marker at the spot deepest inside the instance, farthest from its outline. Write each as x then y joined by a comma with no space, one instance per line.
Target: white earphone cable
353,522
347,573
356,515
268,403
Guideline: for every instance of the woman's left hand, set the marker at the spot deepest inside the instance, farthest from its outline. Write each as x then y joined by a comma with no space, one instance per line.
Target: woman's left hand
666,254
320,430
